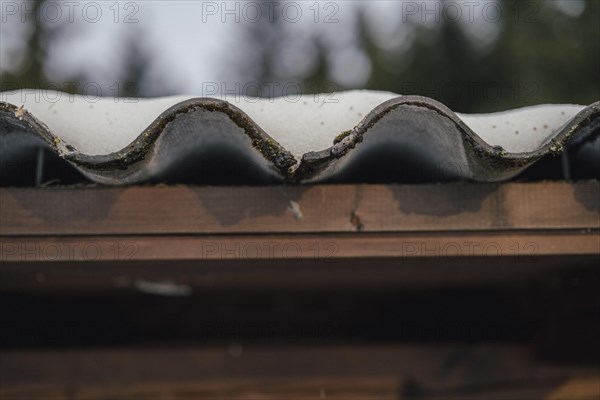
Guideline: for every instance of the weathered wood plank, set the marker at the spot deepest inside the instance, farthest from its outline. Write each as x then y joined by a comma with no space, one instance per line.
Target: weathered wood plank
309,247
357,388
361,372
299,209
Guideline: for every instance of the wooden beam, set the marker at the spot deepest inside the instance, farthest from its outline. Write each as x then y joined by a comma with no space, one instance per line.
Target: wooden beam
299,209
267,236
309,247
238,372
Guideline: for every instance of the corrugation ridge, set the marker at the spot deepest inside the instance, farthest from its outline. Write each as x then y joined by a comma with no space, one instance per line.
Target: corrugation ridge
486,162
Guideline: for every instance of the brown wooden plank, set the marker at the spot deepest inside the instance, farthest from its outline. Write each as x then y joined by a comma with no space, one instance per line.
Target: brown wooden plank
358,388
577,389
301,389
299,209
292,247
359,372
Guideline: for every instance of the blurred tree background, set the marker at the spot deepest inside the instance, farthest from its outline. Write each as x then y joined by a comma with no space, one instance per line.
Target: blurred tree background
554,57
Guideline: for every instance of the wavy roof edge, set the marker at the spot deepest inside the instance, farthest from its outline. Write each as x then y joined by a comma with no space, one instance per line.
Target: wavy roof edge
405,129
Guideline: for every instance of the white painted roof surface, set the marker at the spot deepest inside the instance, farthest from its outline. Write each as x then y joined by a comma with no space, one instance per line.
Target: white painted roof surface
301,124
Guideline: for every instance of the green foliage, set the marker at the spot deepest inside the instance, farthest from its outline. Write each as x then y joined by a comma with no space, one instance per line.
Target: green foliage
541,56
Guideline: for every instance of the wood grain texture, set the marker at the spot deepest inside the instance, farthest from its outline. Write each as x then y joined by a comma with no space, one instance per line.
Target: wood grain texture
299,209
308,247
351,234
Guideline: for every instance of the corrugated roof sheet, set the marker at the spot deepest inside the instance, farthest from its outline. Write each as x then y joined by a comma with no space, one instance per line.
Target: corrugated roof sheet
202,140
